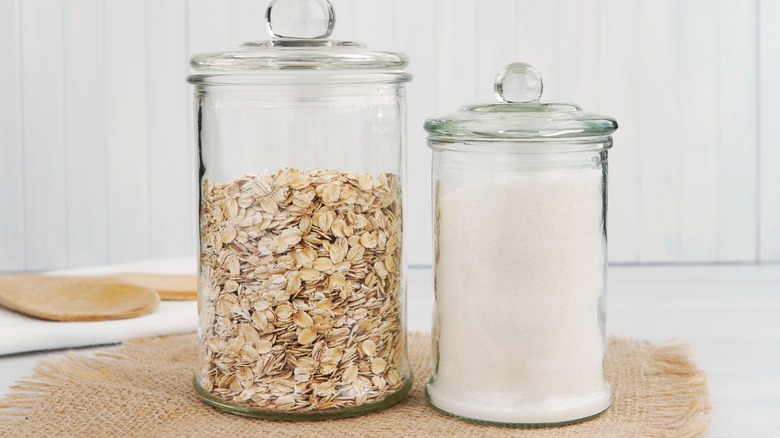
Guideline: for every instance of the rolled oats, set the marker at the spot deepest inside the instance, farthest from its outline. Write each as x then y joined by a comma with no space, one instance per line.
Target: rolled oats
300,290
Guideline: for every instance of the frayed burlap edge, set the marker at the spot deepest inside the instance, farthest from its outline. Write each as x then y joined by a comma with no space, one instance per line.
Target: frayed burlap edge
675,396
657,391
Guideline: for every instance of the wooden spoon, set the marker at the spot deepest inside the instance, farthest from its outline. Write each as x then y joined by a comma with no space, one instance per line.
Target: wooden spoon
170,287
71,298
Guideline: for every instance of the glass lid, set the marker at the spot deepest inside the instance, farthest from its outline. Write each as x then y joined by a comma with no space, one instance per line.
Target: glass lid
299,32
519,116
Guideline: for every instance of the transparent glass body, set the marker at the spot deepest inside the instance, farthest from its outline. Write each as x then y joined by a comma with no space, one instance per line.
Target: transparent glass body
302,275
520,269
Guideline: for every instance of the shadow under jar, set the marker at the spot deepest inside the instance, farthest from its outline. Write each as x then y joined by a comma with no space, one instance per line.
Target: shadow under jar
302,279
520,193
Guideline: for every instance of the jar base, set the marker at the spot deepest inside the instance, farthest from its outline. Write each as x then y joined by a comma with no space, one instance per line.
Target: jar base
570,410
245,411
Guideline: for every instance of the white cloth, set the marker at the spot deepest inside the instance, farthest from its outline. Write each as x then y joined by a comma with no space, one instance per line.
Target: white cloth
20,333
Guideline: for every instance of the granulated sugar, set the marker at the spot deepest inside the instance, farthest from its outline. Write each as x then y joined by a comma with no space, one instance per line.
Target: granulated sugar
519,278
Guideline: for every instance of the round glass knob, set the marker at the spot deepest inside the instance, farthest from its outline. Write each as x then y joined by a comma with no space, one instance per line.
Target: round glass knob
300,19
518,83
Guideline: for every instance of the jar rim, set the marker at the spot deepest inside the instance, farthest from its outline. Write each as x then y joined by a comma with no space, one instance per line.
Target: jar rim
263,56
518,123
299,77
530,146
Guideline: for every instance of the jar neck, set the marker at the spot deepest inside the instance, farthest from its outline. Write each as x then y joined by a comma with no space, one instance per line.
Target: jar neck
492,162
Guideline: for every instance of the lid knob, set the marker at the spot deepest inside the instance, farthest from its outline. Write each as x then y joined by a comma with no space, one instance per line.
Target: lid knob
300,19
518,83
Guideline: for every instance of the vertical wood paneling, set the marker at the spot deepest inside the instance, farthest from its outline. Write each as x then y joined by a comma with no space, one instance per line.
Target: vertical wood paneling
375,23
208,26
619,96
128,140
497,43
344,28
172,170
42,121
85,133
579,57
658,157
193,185
538,41
12,254
420,46
697,83
99,157
456,54
769,137
737,132
247,21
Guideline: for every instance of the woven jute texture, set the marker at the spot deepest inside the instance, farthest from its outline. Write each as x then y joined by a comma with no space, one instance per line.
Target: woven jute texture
144,388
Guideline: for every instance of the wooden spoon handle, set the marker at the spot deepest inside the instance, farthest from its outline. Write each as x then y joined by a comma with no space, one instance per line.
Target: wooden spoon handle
169,287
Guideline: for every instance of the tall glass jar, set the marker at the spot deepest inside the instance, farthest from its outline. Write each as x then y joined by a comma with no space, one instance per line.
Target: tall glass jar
301,285
520,267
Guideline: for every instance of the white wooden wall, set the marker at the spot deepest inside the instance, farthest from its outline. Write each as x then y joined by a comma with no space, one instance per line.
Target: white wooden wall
98,158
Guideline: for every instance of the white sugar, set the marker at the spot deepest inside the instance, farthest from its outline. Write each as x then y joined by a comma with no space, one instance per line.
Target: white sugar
519,276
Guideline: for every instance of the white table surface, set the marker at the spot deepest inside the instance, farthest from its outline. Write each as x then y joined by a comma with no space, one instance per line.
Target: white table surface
729,315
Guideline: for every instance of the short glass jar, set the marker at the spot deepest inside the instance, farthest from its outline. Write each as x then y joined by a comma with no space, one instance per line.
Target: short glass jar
301,144
520,194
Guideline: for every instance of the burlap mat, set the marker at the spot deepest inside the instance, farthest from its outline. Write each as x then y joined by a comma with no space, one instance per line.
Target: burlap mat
144,388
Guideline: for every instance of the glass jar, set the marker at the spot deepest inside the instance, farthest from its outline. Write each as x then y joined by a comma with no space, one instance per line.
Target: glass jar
301,142
520,193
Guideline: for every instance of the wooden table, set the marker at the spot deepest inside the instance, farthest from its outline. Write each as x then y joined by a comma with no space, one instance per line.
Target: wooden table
730,316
